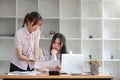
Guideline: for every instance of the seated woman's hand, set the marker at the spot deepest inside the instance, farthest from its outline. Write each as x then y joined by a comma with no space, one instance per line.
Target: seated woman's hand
54,51
57,68
41,70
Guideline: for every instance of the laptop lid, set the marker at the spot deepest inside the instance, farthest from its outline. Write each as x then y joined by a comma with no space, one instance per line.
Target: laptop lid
72,63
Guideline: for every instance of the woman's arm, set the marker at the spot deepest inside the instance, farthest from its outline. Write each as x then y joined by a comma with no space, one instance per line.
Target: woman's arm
18,44
21,56
36,51
36,46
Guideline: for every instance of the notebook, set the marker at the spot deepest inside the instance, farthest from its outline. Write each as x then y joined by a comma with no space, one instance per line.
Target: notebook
72,63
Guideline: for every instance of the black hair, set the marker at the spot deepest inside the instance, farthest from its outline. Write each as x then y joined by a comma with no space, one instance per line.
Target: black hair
32,17
62,38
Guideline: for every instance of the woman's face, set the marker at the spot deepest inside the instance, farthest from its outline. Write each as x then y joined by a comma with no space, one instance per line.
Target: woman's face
56,45
32,28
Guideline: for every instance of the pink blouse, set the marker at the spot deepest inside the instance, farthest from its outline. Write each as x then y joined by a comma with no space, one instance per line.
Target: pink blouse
25,41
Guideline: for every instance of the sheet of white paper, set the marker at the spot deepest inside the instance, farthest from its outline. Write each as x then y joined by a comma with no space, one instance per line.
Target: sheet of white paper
47,64
72,63
23,73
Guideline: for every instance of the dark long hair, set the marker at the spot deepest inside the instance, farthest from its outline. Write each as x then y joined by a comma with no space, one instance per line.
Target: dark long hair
62,42
32,17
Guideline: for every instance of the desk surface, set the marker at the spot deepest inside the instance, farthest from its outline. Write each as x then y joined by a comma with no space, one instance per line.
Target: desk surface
45,76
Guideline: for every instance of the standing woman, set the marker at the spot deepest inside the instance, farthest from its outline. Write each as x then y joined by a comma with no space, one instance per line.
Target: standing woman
27,43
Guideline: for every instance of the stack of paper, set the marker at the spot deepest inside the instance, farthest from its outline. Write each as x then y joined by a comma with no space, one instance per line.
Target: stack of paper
23,73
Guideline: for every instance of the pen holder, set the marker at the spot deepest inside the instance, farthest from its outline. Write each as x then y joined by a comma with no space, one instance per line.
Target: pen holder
54,73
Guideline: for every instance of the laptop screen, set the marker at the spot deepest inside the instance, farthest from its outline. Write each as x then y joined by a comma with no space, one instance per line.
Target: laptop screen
72,63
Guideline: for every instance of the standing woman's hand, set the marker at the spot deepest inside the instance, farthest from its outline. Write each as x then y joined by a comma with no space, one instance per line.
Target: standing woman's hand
32,62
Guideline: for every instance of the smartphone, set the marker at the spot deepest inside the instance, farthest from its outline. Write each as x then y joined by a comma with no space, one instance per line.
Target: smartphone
32,60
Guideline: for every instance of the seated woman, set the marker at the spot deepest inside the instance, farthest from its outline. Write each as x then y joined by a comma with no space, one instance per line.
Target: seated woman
57,48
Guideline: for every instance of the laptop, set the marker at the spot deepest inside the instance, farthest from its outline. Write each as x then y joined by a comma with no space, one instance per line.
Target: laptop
72,63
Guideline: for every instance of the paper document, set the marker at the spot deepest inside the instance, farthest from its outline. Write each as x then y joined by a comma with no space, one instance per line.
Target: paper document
47,64
23,73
